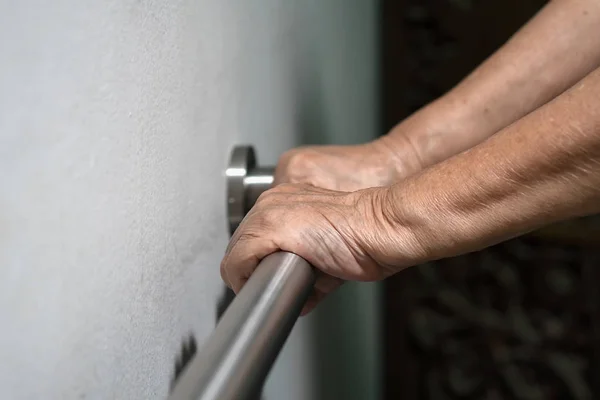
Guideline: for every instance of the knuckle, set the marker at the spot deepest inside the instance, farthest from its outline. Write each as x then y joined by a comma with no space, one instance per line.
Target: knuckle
267,220
286,160
267,198
261,221
273,196
302,160
286,188
296,163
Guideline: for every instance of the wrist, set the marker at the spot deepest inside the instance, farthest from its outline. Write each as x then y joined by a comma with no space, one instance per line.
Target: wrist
425,219
438,131
383,236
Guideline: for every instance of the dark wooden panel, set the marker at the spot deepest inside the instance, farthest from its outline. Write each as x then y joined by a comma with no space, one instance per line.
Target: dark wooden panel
519,320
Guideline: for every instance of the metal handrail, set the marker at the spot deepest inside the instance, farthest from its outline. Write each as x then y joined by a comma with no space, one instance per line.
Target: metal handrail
237,357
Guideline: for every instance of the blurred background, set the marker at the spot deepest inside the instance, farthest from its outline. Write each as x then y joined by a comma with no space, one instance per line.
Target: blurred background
519,320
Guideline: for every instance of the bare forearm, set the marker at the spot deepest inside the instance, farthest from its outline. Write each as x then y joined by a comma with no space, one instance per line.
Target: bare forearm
540,170
543,168
547,56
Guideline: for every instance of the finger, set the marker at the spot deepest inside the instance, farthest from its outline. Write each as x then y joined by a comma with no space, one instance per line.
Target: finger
248,220
324,285
243,258
314,299
225,270
327,283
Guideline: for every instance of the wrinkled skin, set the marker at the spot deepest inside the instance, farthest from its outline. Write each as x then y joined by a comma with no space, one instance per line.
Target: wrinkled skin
320,225
314,211
469,157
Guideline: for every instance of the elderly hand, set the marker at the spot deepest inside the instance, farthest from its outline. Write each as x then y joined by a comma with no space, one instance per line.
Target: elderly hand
344,168
333,230
341,234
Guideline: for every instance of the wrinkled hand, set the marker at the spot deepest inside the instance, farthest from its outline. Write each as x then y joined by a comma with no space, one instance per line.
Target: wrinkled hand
344,168
339,233
314,215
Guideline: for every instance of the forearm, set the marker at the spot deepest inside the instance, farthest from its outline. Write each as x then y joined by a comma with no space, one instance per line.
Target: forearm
542,169
554,50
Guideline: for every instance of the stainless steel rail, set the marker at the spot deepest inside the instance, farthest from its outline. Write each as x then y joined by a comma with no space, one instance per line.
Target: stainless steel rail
237,357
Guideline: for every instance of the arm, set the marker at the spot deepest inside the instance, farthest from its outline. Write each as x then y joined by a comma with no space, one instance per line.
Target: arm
554,50
542,169
557,48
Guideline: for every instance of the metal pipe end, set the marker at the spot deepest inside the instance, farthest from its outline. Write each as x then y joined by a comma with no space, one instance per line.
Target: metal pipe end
245,183
241,162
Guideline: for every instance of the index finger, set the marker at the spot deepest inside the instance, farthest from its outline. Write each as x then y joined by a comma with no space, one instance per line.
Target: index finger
243,258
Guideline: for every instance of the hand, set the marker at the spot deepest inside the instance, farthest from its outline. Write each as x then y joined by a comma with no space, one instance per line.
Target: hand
324,220
343,168
341,234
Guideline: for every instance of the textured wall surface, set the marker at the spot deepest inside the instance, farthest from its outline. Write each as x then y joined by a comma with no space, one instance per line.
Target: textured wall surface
116,121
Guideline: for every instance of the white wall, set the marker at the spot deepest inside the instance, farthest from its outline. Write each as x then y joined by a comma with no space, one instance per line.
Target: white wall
116,121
